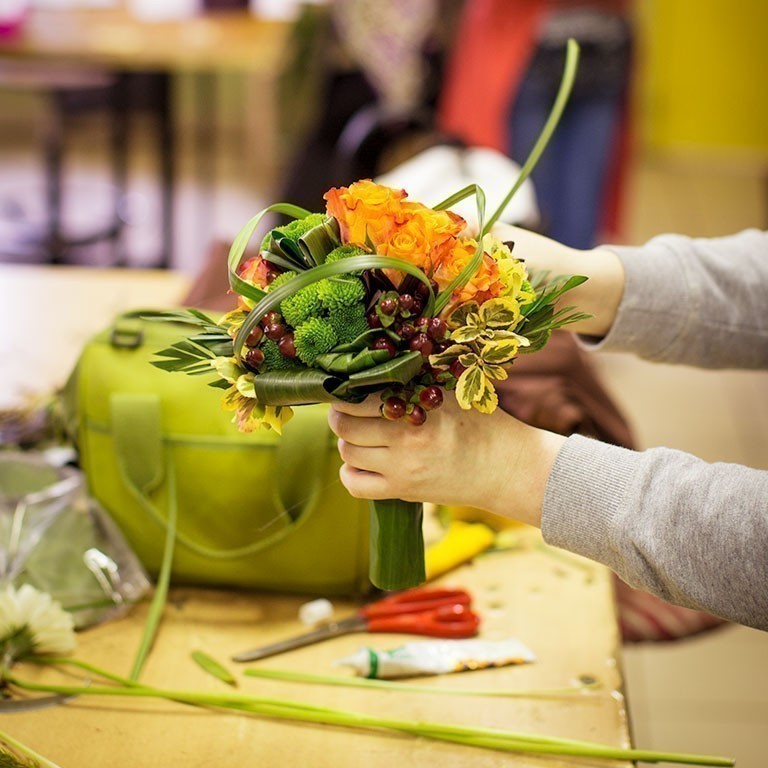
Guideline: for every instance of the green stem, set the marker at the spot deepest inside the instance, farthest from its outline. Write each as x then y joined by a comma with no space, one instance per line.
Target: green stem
566,85
485,737
163,582
402,687
396,544
42,762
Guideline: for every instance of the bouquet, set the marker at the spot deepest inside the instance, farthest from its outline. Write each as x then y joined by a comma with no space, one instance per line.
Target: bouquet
378,294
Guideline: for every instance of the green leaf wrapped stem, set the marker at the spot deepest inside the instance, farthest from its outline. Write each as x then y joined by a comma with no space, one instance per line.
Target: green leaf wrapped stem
397,544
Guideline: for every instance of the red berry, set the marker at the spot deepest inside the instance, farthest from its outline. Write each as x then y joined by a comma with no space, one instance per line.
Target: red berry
417,416
457,368
373,320
388,305
418,307
274,331
422,343
430,398
441,346
254,358
254,337
286,345
437,328
422,324
382,342
271,275
406,302
393,408
407,331
271,318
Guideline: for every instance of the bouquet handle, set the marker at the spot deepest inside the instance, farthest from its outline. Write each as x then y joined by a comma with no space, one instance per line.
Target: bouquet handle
397,544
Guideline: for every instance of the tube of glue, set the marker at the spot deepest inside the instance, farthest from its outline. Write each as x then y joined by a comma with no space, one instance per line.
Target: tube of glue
437,657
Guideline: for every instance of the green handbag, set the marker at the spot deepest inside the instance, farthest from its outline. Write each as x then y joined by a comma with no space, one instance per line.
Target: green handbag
258,510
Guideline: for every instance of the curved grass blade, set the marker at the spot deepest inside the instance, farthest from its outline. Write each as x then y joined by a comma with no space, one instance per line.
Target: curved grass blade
563,93
271,300
474,263
240,243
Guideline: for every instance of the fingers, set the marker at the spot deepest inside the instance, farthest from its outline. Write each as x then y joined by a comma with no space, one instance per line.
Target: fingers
370,407
367,459
364,485
369,432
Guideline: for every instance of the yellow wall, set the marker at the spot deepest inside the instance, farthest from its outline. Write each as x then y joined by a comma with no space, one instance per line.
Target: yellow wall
702,75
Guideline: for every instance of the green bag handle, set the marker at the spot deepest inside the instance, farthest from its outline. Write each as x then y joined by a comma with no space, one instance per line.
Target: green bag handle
144,462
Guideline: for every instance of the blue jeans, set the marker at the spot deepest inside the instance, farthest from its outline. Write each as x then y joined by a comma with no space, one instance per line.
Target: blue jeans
570,178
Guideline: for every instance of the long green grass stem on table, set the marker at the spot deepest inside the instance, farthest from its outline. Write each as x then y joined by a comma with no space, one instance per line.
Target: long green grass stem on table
488,738
32,759
403,687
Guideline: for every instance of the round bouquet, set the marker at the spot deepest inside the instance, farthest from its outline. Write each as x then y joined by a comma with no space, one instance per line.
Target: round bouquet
378,294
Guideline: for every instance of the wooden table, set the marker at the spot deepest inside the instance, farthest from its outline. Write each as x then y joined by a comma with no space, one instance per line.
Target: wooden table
558,604
203,46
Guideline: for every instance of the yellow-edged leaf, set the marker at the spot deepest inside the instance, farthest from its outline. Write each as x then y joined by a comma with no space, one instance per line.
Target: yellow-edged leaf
469,386
487,400
499,352
500,313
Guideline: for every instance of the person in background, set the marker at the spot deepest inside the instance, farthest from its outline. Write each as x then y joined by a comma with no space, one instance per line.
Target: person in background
501,80
690,532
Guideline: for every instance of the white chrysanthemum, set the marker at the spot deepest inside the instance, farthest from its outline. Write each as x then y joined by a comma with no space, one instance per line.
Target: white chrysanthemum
45,626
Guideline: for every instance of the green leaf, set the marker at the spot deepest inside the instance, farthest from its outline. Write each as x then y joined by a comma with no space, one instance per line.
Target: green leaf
301,386
317,244
396,544
240,243
446,357
500,352
368,261
351,362
460,316
399,370
500,313
467,334
470,386
212,667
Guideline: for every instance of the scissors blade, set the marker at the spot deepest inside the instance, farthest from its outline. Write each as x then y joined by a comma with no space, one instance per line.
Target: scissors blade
334,629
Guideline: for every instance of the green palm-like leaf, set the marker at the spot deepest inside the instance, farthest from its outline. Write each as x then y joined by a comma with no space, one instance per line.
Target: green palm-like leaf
301,386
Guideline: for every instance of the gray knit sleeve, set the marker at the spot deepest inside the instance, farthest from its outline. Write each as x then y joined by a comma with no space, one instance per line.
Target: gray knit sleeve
693,533
701,302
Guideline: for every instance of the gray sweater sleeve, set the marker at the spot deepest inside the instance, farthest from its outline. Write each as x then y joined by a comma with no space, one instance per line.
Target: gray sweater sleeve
698,301
690,532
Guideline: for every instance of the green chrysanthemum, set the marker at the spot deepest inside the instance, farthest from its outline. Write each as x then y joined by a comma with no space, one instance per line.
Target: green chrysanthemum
339,292
313,338
348,322
295,229
274,360
301,306
281,279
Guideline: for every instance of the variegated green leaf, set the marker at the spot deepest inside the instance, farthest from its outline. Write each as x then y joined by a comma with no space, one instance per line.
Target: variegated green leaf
470,386
500,313
500,352
466,334
460,315
446,357
487,401
496,372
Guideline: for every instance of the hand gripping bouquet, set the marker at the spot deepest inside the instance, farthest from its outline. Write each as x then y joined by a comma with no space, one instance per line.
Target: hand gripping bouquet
379,294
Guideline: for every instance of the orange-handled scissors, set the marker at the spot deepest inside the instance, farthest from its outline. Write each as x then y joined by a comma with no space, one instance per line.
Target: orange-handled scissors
421,611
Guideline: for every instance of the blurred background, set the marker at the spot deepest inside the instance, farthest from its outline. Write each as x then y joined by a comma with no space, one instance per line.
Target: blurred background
145,134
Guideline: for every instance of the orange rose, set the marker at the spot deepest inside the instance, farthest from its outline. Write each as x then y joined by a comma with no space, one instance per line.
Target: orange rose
365,211
485,284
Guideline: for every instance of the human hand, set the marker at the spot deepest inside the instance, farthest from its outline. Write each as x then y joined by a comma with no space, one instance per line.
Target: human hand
599,296
489,461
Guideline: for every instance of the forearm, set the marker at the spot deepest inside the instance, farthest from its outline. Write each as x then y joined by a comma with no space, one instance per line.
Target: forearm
692,533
